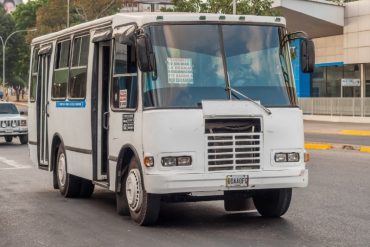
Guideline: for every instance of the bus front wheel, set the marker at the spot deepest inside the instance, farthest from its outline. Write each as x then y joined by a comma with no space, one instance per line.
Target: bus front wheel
144,207
273,202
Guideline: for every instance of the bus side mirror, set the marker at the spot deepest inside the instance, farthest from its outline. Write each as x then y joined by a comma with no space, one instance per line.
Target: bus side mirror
307,55
145,54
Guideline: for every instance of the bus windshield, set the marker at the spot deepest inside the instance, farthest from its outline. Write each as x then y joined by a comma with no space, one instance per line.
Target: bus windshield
199,62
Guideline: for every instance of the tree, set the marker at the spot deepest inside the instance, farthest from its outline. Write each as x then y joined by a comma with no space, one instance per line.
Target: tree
245,7
342,1
25,19
13,48
86,10
52,16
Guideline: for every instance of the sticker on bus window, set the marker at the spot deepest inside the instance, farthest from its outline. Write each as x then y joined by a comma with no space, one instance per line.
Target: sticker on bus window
180,70
123,98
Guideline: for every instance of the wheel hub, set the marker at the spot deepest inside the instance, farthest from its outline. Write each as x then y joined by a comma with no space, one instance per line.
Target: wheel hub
133,190
62,173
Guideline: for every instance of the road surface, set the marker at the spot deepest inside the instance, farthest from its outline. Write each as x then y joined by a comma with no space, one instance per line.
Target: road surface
332,211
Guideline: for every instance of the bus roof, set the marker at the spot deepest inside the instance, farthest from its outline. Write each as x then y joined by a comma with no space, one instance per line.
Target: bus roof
141,18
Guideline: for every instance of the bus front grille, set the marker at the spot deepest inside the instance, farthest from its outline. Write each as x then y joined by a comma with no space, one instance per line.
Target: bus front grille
241,151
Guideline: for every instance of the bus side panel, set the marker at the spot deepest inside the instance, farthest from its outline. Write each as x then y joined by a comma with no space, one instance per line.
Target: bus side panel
73,125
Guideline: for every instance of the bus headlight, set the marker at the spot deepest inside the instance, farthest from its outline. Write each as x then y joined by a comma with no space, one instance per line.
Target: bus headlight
280,157
287,157
293,157
176,161
23,123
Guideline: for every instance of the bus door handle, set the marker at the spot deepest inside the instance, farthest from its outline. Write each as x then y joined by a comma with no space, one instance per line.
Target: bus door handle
47,110
106,120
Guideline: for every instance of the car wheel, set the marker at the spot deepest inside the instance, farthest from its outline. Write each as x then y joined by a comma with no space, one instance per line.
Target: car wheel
23,139
272,203
144,207
8,139
69,185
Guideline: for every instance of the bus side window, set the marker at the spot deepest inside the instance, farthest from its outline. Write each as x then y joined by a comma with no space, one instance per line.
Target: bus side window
61,70
78,72
124,84
34,69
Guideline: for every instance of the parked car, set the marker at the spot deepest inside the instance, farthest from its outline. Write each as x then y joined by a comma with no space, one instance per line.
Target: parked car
12,123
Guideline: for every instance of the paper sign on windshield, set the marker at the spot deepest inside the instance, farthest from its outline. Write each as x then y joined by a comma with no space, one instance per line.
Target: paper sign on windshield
123,98
180,71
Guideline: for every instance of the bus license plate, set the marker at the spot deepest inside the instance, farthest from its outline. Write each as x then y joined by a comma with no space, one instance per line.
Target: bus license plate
237,181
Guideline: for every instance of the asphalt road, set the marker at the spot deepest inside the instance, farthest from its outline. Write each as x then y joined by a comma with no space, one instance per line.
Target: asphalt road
337,139
332,211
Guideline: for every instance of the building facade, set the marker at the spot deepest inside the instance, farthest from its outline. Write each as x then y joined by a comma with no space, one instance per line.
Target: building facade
340,85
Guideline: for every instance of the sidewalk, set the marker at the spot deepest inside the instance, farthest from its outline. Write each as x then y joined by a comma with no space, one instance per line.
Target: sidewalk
331,135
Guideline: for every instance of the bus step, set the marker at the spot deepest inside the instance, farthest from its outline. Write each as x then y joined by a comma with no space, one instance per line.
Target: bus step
103,184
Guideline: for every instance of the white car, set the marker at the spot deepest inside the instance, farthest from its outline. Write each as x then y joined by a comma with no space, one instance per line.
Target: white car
12,123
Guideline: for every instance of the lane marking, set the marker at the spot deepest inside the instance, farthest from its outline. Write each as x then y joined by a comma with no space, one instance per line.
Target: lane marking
365,149
318,146
355,132
13,164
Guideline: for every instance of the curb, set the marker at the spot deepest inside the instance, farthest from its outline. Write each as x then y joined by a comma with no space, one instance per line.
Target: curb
329,146
318,146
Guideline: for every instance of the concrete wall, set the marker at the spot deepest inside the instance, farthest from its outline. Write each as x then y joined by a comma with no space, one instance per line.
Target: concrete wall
329,49
356,42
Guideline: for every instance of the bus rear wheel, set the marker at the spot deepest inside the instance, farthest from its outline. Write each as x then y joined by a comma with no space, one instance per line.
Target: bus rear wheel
69,185
272,203
144,207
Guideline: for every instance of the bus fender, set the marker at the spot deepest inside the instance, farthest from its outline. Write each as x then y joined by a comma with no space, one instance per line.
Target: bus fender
124,158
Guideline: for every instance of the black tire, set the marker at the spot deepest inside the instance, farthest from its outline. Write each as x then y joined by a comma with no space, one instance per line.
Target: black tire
87,188
272,203
72,185
121,199
235,201
23,139
145,207
8,139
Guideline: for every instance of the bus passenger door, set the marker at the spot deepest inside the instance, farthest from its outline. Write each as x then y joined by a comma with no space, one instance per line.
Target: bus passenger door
42,110
100,109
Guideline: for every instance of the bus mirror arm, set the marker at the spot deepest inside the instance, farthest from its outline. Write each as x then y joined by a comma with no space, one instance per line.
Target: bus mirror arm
307,49
145,55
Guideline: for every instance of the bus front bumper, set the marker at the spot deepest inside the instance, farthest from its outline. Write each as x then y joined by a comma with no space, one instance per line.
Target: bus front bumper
208,182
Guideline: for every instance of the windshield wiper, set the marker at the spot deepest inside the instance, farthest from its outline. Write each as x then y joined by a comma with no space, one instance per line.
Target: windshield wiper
235,92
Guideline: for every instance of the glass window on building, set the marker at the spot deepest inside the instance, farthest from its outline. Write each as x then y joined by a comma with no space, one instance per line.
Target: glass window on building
319,82
367,80
334,75
351,71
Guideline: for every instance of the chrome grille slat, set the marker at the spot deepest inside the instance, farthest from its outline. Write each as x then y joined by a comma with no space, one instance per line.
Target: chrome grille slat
234,151
9,123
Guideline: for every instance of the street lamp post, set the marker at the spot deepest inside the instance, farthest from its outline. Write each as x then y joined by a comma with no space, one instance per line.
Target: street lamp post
4,46
67,13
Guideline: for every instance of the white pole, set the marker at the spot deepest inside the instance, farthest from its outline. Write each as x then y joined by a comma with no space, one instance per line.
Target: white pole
67,13
2,41
234,7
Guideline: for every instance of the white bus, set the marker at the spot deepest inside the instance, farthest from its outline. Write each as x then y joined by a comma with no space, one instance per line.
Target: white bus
170,107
